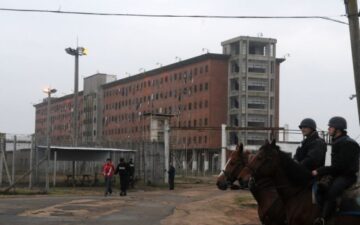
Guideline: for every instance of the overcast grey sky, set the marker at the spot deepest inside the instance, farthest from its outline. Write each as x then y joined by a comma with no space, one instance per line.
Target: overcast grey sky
316,80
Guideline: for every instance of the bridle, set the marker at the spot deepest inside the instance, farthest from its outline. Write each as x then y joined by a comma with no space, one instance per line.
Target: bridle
229,175
253,171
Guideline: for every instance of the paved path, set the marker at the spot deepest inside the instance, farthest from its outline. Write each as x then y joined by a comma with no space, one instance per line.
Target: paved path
199,205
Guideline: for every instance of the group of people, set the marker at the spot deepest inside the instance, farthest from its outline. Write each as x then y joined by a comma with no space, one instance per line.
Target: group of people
125,170
342,172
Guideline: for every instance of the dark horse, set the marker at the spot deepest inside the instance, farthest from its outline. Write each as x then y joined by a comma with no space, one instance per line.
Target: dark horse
270,208
293,184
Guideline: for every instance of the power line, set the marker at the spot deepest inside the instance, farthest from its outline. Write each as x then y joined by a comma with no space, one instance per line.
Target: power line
171,16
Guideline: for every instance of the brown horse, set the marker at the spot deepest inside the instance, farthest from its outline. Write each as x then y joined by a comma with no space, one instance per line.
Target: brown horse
270,208
293,184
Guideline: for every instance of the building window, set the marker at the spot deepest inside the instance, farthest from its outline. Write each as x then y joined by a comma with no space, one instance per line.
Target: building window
234,103
234,67
257,103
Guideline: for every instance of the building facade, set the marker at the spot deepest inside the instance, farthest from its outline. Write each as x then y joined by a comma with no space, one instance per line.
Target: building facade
239,88
184,90
253,93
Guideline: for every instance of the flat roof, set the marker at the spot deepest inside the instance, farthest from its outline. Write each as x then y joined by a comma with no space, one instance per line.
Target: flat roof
72,148
177,65
72,153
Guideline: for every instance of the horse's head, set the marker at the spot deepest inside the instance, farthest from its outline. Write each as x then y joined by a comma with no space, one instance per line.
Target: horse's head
263,164
237,161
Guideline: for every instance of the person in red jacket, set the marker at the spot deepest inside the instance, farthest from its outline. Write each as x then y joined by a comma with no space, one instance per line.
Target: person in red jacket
108,172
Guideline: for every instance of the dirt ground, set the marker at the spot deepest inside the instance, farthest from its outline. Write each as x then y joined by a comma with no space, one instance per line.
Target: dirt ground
227,208
195,202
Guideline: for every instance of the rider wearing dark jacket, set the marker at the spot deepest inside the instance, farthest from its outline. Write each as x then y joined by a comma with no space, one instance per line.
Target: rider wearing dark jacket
344,166
344,158
312,151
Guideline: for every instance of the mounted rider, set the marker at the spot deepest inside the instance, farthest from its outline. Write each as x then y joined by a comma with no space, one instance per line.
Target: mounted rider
344,166
312,150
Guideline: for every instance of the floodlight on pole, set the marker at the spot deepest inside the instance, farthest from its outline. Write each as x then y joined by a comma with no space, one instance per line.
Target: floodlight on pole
79,51
48,91
351,97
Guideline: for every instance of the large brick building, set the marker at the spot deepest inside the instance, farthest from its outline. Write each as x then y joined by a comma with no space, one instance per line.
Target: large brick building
194,92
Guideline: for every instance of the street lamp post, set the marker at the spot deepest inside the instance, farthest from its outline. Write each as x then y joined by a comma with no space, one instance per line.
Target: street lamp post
48,91
79,51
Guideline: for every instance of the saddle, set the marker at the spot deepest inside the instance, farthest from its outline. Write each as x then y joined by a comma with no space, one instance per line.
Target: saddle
347,204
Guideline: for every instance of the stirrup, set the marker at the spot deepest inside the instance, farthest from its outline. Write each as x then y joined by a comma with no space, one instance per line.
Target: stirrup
319,221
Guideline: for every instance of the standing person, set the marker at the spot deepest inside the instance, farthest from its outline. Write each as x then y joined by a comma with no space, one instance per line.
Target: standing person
344,166
123,170
171,173
131,173
108,172
312,151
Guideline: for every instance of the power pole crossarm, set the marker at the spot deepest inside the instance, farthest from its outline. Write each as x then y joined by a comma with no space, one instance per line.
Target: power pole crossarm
351,8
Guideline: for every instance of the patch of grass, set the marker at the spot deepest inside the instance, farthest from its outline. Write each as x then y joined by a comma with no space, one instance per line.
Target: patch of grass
20,191
246,201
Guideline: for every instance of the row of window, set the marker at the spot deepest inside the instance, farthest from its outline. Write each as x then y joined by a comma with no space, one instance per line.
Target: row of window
190,140
193,123
252,103
158,96
253,48
185,76
253,85
253,66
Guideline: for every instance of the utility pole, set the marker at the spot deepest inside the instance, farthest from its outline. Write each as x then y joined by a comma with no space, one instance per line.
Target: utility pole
351,8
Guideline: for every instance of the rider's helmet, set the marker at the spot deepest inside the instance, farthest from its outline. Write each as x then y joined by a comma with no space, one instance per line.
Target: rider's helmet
338,122
308,122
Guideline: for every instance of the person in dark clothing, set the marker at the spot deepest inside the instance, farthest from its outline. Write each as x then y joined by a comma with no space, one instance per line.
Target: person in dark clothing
344,166
171,174
131,173
123,170
312,151
108,171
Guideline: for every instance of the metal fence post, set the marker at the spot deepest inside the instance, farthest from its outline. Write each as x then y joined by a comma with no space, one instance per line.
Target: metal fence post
1,157
31,161
13,163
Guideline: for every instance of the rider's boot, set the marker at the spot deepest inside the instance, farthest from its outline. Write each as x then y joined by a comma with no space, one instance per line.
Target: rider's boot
327,210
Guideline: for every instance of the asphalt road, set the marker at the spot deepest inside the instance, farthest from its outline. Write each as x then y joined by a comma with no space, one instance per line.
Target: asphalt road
182,206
